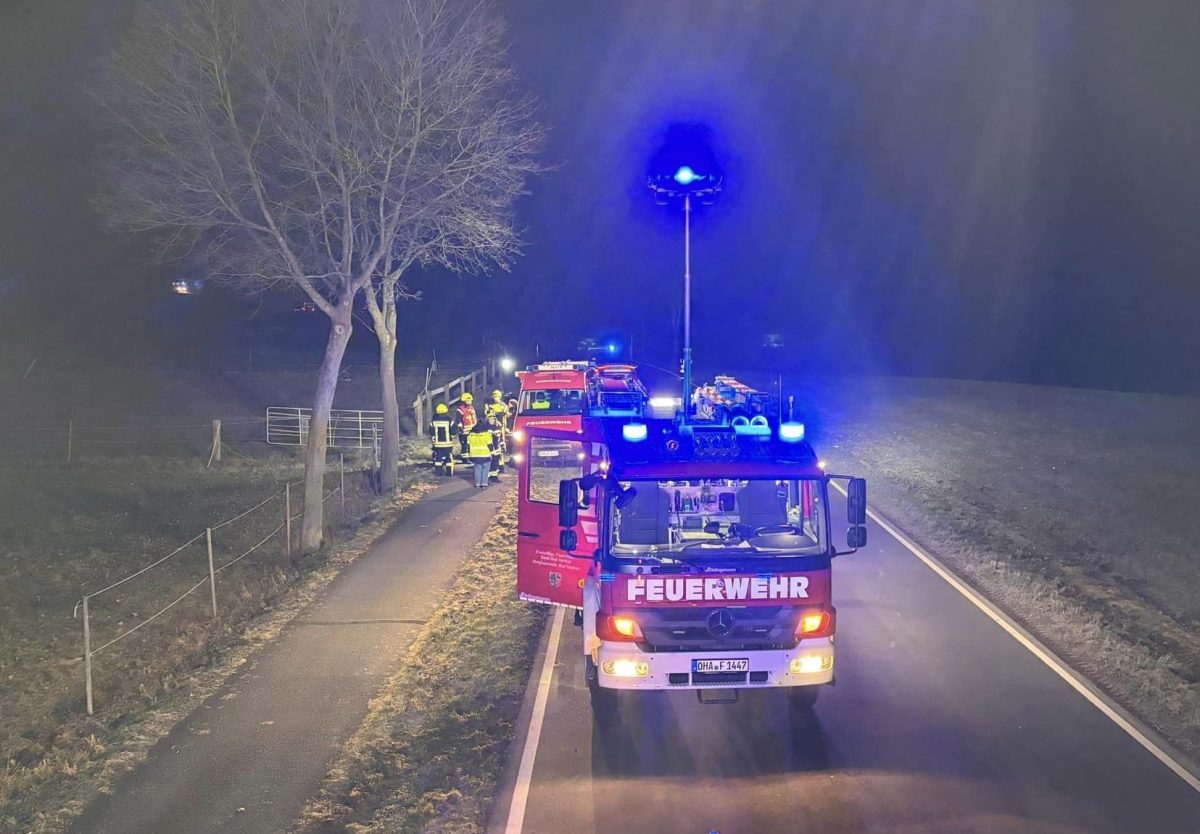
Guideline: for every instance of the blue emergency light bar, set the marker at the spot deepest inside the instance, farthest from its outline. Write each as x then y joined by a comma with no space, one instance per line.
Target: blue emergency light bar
791,432
634,432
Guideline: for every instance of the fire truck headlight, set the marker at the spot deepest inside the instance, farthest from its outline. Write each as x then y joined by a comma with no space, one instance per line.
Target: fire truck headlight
808,664
517,457
518,435
626,668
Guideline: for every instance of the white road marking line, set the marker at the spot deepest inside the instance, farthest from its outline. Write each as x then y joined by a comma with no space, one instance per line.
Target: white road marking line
1077,682
520,796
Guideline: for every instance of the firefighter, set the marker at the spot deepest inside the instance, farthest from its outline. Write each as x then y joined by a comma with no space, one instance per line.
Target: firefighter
496,426
441,433
467,420
479,449
497,407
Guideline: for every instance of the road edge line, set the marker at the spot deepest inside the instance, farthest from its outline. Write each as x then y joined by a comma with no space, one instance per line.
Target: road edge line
1136,729
520,792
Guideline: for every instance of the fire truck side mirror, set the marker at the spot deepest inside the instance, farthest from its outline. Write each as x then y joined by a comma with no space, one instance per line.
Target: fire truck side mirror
567,540
856,537
856,502
568,504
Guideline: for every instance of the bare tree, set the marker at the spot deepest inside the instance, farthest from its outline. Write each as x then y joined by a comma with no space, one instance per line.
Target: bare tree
474,142
275,137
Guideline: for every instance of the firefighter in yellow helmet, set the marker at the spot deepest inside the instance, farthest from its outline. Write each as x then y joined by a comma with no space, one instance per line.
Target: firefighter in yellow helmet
466,419
496,413
441,433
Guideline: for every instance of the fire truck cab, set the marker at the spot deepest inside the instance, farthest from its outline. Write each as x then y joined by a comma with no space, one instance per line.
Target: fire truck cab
698,554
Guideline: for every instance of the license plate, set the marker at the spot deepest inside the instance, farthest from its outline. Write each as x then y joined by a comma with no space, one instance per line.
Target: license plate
552,453
724,664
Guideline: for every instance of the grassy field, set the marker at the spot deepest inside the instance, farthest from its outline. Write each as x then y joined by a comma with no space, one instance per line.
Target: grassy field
429,754
1071,508
69,530
120,411
137,489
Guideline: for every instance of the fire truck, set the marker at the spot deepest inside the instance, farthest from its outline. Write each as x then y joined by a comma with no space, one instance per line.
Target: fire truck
697,554
562,394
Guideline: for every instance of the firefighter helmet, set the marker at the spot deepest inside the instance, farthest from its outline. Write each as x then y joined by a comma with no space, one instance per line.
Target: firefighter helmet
441,408
497,394
467,398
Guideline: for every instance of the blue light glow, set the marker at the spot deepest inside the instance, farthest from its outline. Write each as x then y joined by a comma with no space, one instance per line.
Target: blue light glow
612,347
634,432
791,432
685,175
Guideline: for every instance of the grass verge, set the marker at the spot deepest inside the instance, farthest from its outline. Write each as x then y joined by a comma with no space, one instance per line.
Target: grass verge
1061,505
64,530
429,754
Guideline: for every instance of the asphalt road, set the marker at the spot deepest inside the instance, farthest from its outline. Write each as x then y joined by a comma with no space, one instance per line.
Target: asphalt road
940,721
249,757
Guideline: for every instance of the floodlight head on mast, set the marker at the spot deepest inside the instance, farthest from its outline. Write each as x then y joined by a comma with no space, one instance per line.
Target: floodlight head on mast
684,181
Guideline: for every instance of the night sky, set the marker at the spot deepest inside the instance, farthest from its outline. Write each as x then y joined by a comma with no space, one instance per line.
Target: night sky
986,189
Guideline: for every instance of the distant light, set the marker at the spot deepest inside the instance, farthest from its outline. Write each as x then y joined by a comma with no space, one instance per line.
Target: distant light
685,175
634,432
791,432
181,287
664,402
820,464
508,364
580,456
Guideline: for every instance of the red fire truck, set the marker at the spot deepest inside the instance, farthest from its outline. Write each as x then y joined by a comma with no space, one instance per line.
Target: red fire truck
561,394
698,554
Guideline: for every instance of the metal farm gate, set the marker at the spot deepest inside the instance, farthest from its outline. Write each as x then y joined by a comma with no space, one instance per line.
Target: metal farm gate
348,429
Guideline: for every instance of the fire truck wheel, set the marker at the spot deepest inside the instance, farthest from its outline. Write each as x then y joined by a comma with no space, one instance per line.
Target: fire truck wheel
604,701
803,697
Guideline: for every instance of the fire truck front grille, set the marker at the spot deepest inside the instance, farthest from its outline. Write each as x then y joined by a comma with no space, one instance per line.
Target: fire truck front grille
689,629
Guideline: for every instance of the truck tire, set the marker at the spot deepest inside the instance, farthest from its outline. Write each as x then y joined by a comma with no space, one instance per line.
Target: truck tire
803,697
604,700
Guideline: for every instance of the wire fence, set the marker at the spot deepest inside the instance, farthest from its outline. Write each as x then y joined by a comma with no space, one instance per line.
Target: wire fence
281,502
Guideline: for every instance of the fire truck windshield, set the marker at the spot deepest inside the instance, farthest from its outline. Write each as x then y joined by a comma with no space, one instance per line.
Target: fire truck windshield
551,401
720,519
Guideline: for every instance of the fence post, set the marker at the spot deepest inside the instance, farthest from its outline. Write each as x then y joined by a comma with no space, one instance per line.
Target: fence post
342,485
287,516
212,575
419,407
216,450
87,655
70,443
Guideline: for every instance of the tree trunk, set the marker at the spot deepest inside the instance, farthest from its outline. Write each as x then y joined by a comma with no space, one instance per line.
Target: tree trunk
390,453
312,530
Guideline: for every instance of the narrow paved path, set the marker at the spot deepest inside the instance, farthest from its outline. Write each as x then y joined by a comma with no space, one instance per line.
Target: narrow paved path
248,758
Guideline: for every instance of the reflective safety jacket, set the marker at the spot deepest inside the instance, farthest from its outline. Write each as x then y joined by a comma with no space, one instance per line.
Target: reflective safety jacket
467,413
439,430
479,445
